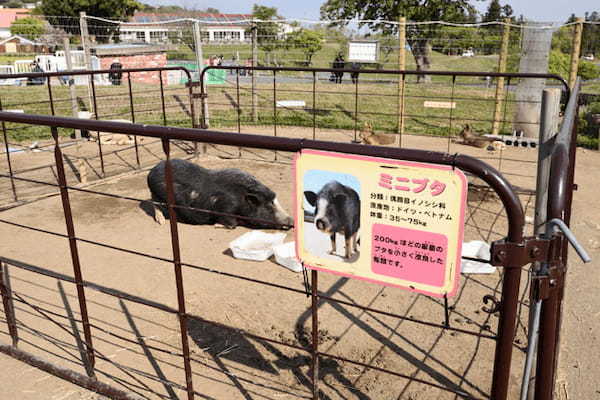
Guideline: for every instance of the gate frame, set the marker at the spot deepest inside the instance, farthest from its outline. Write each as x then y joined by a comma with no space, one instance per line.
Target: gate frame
512,253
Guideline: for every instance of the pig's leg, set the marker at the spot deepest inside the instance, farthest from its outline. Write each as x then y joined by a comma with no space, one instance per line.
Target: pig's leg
333,245
354,238
348,246
158,214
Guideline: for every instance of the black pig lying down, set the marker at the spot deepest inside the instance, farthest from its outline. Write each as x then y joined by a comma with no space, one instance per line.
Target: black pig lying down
229,191
337,210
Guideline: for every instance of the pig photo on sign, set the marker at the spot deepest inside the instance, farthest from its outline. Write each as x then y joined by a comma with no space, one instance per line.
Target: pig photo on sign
228,197
333,213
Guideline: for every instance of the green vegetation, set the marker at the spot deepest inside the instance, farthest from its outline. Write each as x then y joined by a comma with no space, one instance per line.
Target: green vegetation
62,14
29,27
307,41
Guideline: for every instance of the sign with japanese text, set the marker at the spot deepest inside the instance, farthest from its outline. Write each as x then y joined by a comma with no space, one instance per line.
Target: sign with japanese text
391,222
362,51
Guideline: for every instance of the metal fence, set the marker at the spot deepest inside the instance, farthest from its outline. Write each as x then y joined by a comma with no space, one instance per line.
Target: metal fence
142,95
512,254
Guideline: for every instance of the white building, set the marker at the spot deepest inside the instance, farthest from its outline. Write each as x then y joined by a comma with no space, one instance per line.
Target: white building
148,28
155,27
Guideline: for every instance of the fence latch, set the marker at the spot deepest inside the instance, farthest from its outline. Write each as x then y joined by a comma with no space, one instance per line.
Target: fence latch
532,249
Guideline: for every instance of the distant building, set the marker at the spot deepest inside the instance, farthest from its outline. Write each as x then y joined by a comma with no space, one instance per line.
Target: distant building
19,44
217,27
152,27
8,16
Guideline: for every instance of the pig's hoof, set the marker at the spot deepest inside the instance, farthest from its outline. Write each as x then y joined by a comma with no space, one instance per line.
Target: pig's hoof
159,218
331,252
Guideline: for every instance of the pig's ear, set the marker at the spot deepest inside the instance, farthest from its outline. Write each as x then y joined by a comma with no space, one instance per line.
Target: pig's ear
339,200
311,197
252,199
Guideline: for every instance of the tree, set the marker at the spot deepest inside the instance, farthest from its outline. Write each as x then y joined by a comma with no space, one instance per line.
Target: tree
61,13
418,36
268,34
493,13
13,4
496,12
307,41
29,27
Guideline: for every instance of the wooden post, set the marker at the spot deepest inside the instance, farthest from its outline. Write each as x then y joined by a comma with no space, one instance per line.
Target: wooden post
500,81
74,108
575,51
254,64
402,67
86,53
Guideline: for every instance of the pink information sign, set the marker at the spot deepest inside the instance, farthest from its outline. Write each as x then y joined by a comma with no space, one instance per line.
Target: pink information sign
391,222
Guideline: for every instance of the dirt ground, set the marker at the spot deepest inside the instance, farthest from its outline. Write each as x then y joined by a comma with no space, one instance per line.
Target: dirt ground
139,347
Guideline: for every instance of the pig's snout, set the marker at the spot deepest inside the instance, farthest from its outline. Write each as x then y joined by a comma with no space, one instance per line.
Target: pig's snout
281,217
320,224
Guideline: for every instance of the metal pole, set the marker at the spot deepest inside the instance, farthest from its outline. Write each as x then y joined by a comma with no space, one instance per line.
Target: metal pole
314,101
239,107
96,118
9,311
254,65
10,171
177,270
275,107
575,51
132,111
200,64
315,334
162,98
86,52
401,79
548,129
355,140
62,181
500,81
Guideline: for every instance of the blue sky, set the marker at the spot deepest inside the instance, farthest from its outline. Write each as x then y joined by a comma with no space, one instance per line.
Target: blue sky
537,10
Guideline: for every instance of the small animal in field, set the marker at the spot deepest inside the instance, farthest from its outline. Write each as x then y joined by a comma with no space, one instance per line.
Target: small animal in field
228,197
470,138
337,210
368,136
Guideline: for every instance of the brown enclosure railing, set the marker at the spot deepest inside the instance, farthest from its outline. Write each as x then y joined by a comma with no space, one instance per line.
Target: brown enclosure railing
510,259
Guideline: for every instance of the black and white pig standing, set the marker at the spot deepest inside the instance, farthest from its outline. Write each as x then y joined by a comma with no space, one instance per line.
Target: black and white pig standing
337,210
228,192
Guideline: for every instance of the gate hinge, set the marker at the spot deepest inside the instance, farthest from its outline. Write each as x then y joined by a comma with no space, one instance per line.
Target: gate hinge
535,248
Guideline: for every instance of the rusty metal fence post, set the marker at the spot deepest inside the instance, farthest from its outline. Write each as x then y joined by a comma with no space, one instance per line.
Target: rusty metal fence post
64,193
8,161
9,310
177,269
315,333
401,79
132,112
560,196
